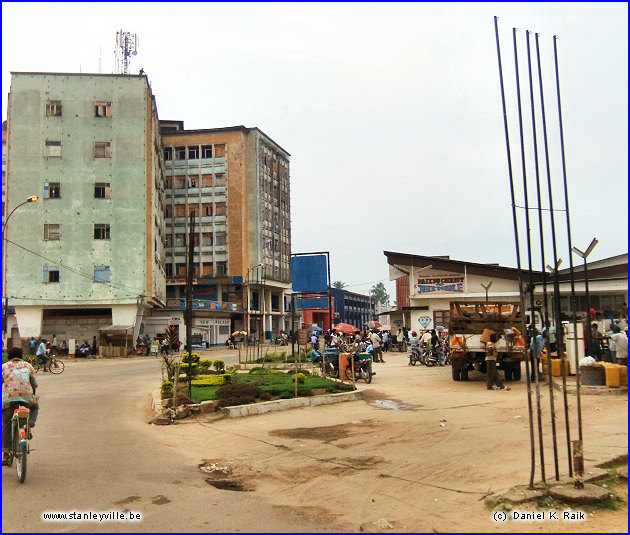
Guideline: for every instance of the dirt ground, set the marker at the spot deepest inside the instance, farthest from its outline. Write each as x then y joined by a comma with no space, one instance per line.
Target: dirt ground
418,454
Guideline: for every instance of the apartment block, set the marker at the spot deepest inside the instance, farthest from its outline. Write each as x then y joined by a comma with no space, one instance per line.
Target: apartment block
89,254
235,181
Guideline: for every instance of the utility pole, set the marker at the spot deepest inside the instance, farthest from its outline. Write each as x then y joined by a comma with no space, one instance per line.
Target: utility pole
189,293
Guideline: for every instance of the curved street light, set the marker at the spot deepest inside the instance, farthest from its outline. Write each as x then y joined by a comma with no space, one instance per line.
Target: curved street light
583,255
32,198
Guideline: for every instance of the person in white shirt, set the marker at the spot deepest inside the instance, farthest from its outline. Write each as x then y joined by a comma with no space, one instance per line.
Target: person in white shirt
376,343
621,346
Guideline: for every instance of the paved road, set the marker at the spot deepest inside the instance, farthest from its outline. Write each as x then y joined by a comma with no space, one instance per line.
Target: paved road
93,451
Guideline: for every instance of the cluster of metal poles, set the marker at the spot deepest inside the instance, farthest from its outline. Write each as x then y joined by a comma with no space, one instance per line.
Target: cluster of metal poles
526,289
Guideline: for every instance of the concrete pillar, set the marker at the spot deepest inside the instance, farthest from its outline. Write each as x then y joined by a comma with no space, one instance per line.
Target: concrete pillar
29,320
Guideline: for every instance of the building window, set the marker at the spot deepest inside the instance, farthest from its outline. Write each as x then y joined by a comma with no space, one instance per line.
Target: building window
193,181
180,153
221,268
441,317
207,209
101,231
221,239
168,153
53,149
102,108
169,270
254,303
102,190
102,149
181,270
275,303
101,273
168,240
180,240
206,239
206,151
193,153
167,211
51,231
51,273
53,108
219,176
52,190
219,151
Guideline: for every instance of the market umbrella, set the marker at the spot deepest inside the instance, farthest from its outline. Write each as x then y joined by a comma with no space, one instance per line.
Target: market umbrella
374,324
315,328
346,328
385,328
239,333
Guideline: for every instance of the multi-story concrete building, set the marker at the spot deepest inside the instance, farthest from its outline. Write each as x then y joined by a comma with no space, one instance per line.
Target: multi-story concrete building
236,182
353,308
90,253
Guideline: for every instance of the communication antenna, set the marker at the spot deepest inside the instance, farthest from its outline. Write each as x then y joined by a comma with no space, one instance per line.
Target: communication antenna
126,46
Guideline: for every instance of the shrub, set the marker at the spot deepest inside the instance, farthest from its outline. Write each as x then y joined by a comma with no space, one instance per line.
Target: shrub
212,380
305,392
259,370
205,363
231,370
238,390
218,364
300,378
232,401
166,390
286,394
264,396
186,358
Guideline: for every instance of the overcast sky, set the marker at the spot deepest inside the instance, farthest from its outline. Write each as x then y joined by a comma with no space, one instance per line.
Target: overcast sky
391,112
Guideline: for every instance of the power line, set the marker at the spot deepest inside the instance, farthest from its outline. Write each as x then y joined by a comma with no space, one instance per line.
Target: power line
116,286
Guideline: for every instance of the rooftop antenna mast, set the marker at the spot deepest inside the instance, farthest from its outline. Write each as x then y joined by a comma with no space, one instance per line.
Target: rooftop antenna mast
126,46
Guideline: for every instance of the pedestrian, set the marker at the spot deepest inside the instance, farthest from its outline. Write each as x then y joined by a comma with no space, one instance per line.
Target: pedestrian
327,338
32,344
537,345
94,348
315,341
492,375
621,346
376,344
18,388
385,341
53,344
400,338
596,342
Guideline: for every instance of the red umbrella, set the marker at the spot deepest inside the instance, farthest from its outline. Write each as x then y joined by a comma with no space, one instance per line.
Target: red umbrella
346,328
374,324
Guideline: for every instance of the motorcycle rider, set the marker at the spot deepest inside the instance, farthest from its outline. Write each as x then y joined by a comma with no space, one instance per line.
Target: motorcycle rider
414,344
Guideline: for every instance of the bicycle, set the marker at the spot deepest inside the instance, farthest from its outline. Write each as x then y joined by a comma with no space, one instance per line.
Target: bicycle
53,364
20,437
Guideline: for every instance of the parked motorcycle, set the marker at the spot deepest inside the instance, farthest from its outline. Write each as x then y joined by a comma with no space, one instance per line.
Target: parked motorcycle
362,370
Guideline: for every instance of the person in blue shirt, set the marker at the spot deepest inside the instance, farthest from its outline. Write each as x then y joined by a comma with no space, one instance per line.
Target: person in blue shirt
537,345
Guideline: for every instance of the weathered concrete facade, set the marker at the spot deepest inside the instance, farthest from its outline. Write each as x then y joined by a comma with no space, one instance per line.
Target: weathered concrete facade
236,181
92,247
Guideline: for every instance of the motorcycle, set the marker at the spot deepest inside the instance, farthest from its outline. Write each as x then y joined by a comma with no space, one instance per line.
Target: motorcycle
415,356
361,370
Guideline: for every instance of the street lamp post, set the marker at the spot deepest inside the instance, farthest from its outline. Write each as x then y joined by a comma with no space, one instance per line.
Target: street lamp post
584,255
5,303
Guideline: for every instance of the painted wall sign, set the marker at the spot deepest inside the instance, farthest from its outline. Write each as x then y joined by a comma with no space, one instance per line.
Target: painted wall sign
425,321
440,284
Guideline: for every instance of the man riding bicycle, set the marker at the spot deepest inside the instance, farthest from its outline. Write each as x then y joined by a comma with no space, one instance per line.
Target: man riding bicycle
42,353
18,389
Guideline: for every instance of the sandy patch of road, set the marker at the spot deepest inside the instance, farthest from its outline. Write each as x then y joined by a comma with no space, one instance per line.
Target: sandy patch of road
361,466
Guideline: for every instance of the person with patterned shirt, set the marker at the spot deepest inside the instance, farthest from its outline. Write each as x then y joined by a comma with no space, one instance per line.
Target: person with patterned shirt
18,389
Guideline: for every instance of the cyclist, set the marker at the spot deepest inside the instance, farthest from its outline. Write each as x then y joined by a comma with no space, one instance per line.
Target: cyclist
42,353
18,388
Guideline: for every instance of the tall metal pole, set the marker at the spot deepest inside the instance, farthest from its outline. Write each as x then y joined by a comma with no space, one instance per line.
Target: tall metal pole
189,292
518,262
556,281
529,258
571,270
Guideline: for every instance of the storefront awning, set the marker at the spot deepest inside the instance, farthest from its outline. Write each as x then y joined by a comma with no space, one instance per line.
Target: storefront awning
113,329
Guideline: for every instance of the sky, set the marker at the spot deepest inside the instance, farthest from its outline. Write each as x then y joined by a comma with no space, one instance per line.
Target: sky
391,112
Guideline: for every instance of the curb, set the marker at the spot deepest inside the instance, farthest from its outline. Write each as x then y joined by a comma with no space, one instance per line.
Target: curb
263,407
593,390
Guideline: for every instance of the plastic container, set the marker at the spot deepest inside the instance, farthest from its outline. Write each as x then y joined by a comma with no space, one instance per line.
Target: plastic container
623,375
344,362
543,357
556,367
592,375
612,376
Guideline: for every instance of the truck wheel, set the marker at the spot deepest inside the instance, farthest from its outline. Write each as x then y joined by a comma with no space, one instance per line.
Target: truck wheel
483,368
508,373
464,374
455,372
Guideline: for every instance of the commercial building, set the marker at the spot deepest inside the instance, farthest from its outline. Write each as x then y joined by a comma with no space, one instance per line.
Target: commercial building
235,181
426,284
89,254
353,308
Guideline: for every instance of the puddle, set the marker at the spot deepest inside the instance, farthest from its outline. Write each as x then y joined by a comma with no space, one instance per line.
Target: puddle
391,405
226,484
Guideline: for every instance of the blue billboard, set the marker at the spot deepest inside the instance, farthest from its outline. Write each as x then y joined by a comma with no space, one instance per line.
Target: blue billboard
309,273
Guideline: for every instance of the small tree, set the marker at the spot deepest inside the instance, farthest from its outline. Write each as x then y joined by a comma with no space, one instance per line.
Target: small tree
379,292
339,285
